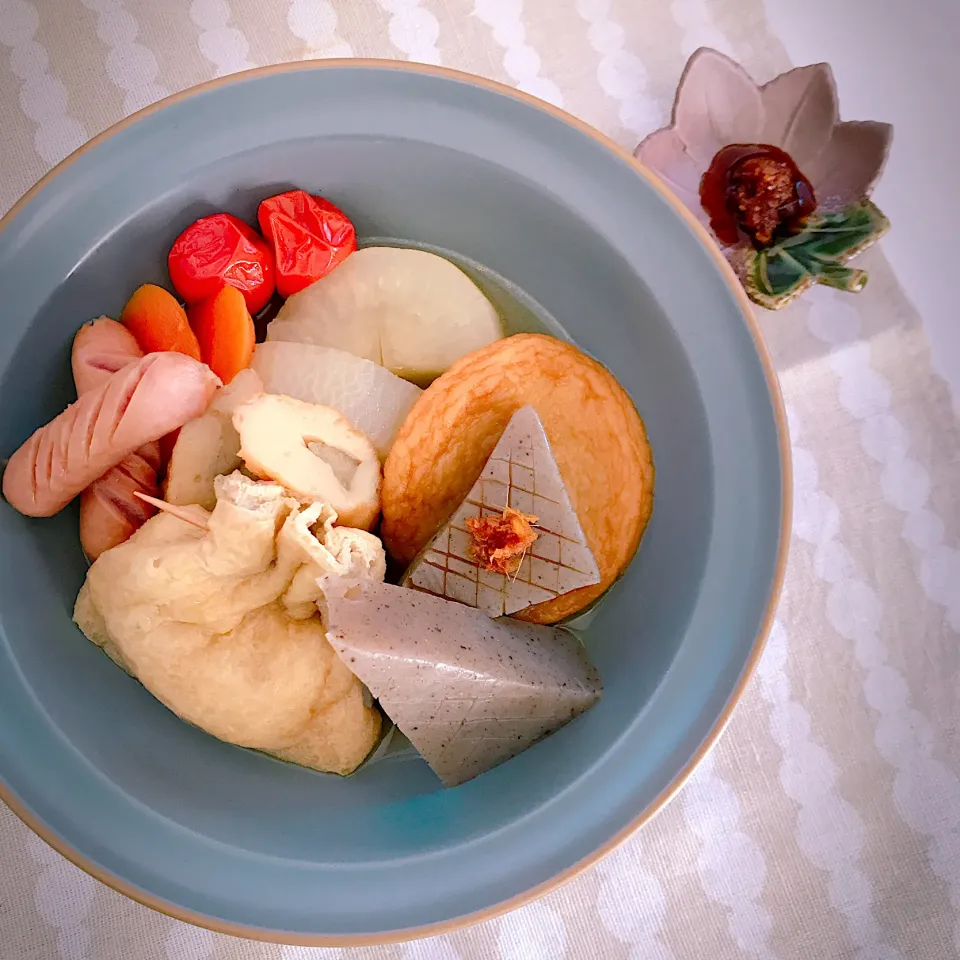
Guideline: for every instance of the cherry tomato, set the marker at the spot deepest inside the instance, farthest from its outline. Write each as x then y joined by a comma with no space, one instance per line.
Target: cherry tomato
309,236
219,250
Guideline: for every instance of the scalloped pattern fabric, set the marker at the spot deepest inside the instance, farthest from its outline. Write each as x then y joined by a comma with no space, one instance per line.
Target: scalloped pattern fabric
826,824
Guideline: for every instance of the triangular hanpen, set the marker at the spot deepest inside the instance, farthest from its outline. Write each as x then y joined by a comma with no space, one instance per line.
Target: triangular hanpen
523,474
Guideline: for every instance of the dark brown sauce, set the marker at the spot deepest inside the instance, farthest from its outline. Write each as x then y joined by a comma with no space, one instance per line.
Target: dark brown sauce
755,191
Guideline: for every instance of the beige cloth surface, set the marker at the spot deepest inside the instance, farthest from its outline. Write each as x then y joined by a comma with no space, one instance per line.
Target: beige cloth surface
827,822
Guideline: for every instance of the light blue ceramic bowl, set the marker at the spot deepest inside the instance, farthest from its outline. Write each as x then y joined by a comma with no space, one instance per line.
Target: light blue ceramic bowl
234,840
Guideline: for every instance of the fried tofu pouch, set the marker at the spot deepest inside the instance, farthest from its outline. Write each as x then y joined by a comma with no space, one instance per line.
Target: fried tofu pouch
221,625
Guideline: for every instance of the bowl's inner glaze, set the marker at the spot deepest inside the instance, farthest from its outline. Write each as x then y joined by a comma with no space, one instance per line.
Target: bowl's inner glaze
246,839
570,276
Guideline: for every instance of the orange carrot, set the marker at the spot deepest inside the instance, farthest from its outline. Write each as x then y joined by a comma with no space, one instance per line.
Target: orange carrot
225,332
158,322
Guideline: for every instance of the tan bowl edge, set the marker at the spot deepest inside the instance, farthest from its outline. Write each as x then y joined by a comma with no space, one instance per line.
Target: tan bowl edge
712,737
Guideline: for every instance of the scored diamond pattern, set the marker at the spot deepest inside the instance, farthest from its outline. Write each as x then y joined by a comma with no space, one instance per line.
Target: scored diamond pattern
521,473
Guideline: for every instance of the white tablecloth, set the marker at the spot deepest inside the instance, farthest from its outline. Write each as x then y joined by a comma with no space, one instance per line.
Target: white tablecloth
827,822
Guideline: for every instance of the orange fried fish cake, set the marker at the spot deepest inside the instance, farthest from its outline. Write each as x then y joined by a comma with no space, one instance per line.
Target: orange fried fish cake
597,437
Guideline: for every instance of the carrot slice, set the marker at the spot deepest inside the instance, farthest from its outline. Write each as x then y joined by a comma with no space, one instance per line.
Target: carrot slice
158,322
225,332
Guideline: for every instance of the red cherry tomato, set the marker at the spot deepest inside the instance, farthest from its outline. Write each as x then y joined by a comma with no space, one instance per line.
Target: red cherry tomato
219,250
309,236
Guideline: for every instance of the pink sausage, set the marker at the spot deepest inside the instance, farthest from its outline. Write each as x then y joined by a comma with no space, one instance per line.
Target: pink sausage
100,349
141,402
110,511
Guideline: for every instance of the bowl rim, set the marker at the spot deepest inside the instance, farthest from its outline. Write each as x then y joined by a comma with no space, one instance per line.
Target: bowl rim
186,915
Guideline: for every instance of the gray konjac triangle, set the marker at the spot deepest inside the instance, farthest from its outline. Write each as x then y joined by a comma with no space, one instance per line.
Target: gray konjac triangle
469,692
523,474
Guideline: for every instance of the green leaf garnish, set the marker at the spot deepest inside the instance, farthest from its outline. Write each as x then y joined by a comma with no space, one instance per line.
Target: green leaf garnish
817,254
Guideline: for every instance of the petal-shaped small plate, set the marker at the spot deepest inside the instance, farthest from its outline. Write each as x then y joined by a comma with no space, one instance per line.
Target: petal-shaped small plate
718,104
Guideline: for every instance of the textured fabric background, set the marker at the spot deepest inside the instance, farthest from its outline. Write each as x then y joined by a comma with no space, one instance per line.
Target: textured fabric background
827,822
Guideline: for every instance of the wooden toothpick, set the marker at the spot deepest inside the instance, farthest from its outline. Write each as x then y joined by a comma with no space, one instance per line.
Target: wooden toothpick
179,512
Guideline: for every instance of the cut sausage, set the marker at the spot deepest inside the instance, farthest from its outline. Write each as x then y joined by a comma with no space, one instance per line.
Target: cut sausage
100,349
110,511
141,402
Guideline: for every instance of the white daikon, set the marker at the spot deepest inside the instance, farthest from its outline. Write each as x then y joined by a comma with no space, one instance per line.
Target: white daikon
407,310
370,397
